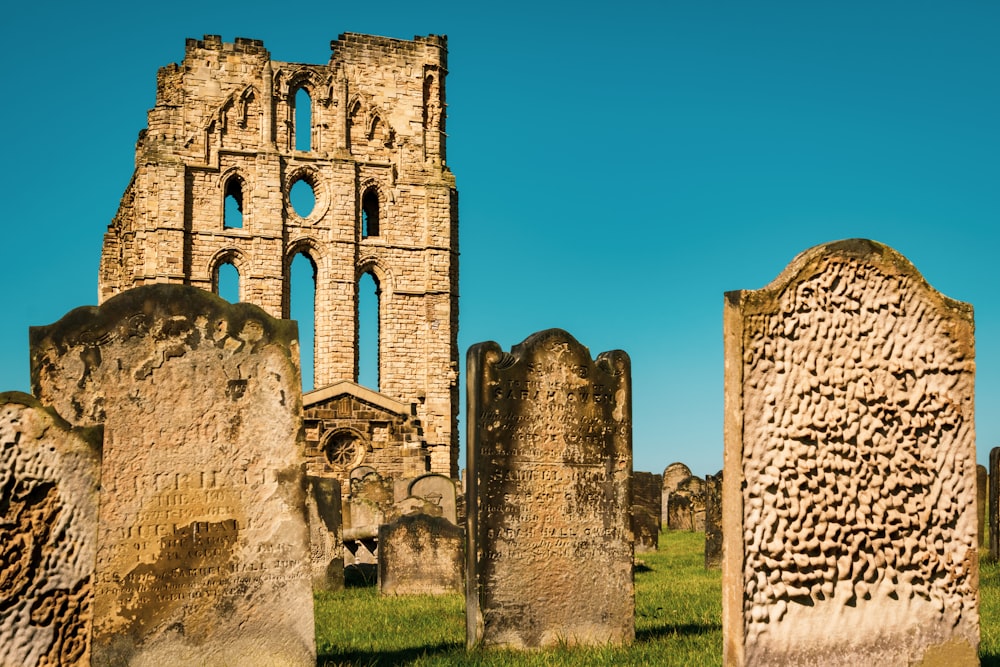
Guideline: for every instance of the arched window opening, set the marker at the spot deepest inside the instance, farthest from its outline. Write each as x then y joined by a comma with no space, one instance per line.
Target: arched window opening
303,197
368,331
233,213
369,213
303,120
302,308
227,282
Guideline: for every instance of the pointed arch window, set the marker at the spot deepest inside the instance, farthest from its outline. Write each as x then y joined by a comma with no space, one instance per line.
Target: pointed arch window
369,297
302,308
226,282
232,215
369,213
303,120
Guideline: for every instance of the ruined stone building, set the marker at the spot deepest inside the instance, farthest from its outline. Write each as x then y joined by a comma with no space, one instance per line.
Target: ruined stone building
231,134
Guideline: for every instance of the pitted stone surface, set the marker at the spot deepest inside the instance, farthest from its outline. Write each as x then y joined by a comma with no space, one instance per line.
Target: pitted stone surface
49,479
420,555
673,475
203,549
850,475
713,521
550,461
646,498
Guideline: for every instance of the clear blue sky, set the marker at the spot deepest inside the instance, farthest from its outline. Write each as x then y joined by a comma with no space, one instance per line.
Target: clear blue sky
620,165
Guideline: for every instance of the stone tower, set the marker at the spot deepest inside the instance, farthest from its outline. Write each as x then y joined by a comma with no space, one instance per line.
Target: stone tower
226,143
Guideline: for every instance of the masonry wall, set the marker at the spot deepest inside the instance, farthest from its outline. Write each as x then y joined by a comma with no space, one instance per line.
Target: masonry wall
225,123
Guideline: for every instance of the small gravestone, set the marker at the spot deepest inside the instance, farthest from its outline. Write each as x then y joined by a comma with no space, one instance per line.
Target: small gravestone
994,502
49,479
437,490
686,510
326,547
203,548
646,497
849,504
420,555
982,493
550,462
713,521
673,474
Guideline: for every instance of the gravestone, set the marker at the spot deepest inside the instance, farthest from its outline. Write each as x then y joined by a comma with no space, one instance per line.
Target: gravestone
982,493
420,555
646,497
673,474
326,546
550,463
686,509
850,475
994,502
203,548
713,521
438,490
49,479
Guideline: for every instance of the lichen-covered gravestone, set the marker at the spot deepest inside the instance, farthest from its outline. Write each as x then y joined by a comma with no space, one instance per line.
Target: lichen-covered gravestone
420,554
686,505
982,493
49,479
849,505
323,504
673,475
203,548
713,521
550,461
993,504
646,498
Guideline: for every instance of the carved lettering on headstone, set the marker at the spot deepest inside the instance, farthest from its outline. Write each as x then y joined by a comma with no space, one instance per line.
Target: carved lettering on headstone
550,460
420,555
203,548
850,472
49,480
325,543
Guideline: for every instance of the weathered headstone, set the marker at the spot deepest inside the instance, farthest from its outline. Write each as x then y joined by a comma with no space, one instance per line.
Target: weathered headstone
550,463
994,502
646,497
325,543
713,521
438,490
420,555
203,548
673,474
49,479
686,509
850,474
982,493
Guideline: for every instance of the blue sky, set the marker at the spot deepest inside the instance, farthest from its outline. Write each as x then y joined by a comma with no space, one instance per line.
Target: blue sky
620,165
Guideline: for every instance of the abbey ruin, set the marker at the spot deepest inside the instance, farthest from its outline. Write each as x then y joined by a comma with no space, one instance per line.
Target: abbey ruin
232,133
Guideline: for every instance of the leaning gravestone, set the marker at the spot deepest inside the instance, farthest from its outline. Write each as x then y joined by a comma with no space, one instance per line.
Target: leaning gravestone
646,497
850,475
673,474
49,479
550,459
420,555
713,521
203,549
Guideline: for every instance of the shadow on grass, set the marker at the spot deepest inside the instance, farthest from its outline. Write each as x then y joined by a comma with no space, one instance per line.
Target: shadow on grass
384,658
669,630
360,575
989,660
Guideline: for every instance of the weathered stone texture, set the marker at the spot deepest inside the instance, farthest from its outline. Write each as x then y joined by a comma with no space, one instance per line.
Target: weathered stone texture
225,123
686,505
420,555
982,494
646,498
550,464
994,502
203,549
326,545
673,475
49,480
849,503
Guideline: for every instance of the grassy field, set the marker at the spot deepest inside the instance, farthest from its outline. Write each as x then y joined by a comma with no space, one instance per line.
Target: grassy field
677,607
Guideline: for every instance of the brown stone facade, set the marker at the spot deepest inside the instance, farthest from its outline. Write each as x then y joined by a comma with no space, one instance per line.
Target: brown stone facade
228,126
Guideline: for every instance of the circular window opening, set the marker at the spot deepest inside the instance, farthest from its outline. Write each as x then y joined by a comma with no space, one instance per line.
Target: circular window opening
343,449
302,197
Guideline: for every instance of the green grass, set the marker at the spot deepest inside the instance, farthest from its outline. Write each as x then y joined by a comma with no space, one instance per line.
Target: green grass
678,612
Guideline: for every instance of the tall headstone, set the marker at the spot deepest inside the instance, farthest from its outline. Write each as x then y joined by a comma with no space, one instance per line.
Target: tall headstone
646,497
49,478
849,501
686,505
550,463
994,502
420,555
673,474
713,521
982,493
326,545
203,548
